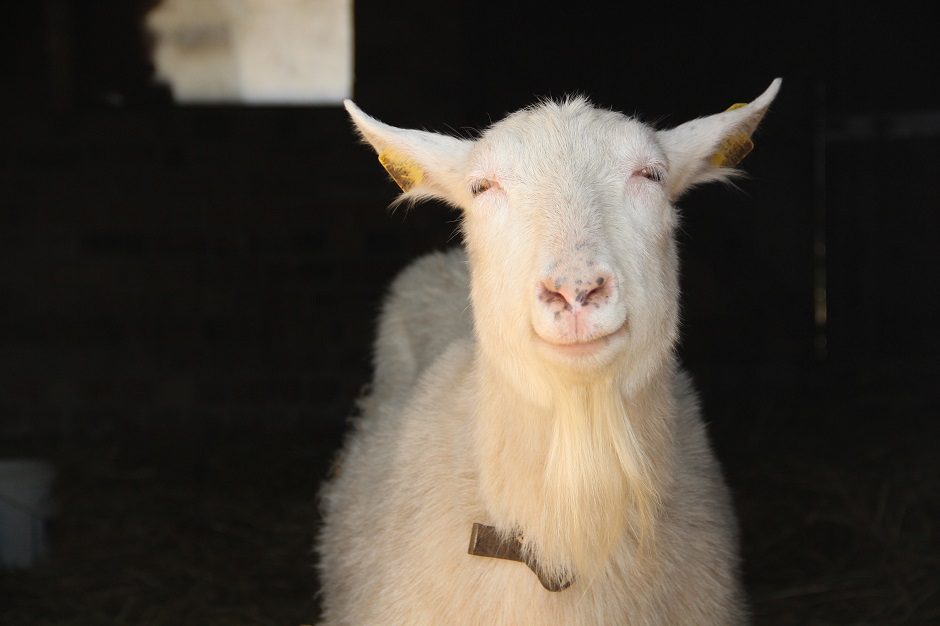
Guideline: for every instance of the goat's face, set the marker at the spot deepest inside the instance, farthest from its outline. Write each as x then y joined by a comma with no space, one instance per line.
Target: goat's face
569,231
568,222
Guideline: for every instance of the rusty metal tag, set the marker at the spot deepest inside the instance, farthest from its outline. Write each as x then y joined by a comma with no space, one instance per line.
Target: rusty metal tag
486,541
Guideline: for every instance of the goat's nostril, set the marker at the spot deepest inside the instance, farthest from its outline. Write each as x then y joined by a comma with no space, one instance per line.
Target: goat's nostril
548,294
581,292
592,296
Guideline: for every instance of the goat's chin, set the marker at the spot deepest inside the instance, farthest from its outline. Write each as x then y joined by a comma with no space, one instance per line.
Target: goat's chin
587,357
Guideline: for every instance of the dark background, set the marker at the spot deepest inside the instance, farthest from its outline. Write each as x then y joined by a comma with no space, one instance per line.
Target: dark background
187,294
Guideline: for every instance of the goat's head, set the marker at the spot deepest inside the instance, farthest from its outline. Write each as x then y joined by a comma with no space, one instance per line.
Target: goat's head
568,220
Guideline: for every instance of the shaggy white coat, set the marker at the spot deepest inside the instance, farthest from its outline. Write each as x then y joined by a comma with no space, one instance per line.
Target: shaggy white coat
494,403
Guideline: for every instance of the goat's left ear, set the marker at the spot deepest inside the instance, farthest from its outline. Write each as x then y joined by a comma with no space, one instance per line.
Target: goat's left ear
708,148
424,164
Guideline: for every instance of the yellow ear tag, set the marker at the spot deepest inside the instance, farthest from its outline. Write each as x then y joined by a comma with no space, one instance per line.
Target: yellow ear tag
403,170
733,149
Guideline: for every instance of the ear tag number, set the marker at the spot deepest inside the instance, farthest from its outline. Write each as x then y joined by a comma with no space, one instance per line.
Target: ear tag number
733,149
403,171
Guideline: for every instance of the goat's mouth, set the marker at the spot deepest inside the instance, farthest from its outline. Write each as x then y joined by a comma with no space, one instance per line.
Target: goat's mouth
576,349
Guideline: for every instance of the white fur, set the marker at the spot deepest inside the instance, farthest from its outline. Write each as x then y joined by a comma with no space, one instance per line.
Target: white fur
499,398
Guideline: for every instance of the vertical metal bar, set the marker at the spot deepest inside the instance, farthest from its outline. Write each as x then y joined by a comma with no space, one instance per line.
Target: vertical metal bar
820,286
58,44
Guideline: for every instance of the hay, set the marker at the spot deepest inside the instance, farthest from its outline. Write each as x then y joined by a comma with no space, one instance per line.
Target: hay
835,529
163,535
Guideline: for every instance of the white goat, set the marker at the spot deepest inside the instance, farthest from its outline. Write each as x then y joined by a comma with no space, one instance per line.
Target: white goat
557,416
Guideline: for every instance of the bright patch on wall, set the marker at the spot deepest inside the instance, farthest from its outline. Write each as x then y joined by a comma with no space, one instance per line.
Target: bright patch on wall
254,51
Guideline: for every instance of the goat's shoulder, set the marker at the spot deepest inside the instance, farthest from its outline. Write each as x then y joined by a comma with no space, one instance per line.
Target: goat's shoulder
700,484
690,431
429,280
427,308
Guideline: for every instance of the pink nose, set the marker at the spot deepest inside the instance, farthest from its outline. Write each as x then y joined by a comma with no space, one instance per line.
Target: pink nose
572,293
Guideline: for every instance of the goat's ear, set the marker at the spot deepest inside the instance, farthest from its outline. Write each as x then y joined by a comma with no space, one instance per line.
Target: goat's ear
424,164
708,148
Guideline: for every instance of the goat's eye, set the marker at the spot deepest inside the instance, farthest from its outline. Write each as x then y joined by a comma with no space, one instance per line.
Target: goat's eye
650,172
480,186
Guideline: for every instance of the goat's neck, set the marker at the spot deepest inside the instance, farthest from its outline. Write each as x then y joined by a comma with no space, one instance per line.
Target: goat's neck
579,475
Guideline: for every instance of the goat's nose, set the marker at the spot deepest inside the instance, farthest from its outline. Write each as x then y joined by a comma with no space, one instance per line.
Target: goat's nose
573,292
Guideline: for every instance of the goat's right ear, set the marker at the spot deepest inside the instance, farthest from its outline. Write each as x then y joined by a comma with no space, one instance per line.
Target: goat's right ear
424,164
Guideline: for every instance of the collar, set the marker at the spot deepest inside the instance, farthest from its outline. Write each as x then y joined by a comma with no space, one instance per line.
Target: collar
487,541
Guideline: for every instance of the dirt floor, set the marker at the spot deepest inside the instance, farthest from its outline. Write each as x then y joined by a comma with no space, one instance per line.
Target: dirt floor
836,529
158,534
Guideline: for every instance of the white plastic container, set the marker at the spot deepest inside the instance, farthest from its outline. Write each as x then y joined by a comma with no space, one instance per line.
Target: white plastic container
25,506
